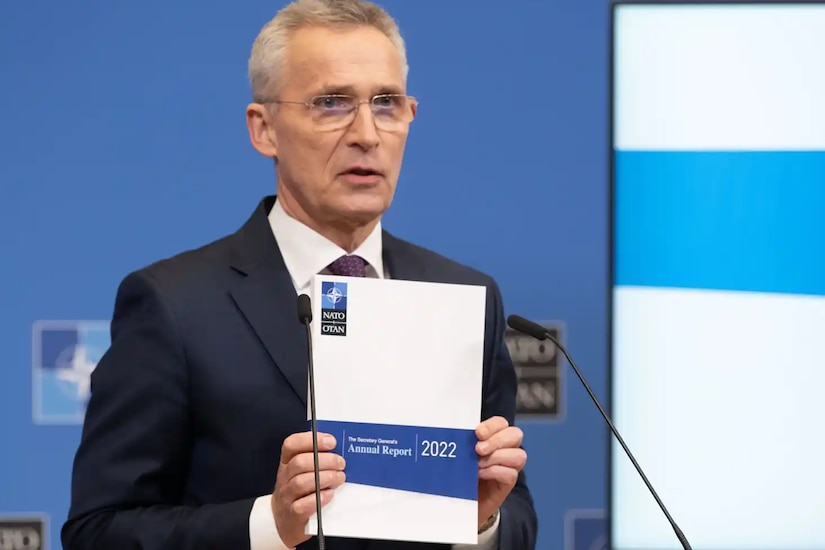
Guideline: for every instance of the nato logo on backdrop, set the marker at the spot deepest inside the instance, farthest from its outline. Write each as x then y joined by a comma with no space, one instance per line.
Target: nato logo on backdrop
23,532
585,530
64,354
538,371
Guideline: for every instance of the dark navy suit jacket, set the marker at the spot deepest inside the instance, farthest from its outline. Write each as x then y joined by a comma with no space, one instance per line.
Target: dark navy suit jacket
205,378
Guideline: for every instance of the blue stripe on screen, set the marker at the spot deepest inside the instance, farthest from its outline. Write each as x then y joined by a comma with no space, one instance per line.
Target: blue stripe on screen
748,221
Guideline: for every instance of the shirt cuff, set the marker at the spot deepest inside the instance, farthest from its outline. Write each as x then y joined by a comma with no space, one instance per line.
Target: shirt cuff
488,540
263,534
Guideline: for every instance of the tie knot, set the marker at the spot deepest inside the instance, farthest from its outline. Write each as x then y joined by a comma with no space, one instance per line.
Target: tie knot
349,266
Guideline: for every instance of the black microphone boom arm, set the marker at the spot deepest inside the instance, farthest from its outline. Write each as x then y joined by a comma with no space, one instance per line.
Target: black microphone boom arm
537,331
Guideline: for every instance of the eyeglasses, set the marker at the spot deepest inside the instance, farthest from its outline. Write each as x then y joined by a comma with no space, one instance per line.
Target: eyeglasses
391,112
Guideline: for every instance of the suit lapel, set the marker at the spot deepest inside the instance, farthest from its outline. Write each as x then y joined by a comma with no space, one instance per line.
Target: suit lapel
400,260
266,297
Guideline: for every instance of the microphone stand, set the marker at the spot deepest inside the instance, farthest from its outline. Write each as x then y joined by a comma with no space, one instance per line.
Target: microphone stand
305,316
540,333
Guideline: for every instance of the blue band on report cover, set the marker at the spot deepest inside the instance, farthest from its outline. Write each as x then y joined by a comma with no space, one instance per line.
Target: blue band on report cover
433,461
741,221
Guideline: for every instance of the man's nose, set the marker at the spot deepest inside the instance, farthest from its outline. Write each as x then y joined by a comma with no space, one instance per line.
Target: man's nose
362,132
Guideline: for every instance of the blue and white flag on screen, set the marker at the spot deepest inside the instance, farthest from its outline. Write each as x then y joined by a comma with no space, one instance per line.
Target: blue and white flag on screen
719,296
398,368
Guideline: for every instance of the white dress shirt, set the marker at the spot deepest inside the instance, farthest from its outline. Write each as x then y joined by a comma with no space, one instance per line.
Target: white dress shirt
307,253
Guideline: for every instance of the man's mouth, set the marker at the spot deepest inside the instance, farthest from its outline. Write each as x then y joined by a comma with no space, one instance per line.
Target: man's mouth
359,171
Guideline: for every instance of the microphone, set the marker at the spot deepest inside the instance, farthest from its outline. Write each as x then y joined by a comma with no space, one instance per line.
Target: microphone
538,332
305,317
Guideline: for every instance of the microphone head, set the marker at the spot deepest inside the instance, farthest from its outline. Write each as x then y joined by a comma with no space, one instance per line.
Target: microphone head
527,327
304,309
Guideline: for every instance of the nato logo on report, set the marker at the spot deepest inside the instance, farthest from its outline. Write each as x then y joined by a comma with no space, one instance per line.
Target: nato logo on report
64,354
334,295
333,308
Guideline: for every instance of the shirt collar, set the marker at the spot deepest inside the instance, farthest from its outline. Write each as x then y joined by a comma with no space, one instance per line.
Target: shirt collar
307,253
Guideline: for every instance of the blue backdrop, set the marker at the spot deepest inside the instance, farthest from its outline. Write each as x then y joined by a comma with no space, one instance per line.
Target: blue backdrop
123,140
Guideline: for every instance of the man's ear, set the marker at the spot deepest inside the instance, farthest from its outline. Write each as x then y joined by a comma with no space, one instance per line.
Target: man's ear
261,132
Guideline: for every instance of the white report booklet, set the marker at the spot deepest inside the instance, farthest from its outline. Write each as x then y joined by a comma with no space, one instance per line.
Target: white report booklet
398,369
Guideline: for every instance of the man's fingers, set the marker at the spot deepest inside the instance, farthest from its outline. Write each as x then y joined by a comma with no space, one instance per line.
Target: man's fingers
511,458
305,462
304,484
293,499
491,426
500,474
508,438
305,507
299,443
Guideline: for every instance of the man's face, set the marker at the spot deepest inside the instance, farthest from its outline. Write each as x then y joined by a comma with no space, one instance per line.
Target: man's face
346,175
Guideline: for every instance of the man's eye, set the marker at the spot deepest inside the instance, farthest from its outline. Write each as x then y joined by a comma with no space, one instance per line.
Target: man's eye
387,101
331,102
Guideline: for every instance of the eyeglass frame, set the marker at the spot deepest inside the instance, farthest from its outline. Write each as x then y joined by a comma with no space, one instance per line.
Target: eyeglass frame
358,102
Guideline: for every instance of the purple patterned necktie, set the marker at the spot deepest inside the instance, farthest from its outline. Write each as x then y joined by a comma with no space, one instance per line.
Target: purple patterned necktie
349,266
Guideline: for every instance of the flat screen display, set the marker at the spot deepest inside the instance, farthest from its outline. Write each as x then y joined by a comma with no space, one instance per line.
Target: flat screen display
717,374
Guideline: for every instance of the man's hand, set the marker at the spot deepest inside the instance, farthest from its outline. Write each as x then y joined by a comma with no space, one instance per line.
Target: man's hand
293,500
501,460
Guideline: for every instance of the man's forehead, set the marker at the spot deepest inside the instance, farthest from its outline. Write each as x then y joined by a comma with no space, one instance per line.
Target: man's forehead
354,60
373,86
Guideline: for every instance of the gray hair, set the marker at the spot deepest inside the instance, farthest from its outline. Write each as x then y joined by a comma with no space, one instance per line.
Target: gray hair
266,62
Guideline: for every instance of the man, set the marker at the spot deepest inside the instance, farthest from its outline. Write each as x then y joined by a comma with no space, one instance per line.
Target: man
195,434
